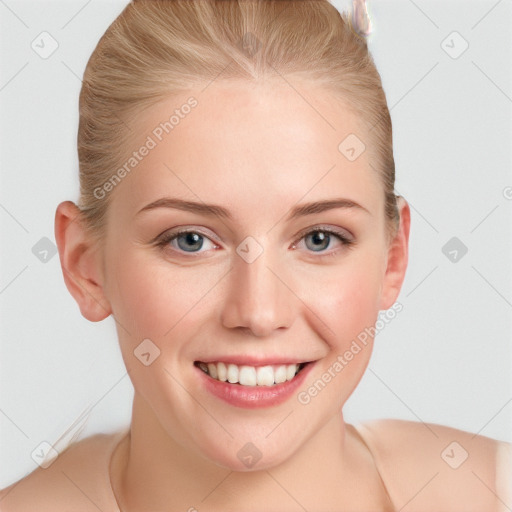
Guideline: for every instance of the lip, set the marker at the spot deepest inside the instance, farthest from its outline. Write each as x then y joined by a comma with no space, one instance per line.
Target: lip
253,397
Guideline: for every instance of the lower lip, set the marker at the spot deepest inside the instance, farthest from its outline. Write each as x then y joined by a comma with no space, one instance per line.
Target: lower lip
252,397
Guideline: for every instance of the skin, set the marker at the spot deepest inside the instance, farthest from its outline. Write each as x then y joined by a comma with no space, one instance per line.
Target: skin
258,151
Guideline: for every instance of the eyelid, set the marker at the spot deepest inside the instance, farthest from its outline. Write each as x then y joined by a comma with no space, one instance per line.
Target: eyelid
176,231
341,232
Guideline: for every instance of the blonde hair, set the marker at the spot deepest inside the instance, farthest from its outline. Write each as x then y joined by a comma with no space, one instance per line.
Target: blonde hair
157,48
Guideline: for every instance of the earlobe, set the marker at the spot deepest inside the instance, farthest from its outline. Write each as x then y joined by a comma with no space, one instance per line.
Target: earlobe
79,259
398,255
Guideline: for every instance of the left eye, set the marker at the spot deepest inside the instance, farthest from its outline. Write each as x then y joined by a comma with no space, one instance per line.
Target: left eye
321,238
192,241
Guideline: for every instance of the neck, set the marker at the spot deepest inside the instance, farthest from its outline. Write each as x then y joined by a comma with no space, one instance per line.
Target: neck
151,471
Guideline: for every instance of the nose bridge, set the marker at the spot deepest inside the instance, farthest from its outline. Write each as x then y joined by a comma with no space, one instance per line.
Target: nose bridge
257,299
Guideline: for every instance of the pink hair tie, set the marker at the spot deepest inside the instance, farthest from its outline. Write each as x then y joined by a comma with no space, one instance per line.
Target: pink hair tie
360,18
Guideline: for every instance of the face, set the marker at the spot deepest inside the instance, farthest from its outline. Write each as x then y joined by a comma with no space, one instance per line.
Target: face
258,283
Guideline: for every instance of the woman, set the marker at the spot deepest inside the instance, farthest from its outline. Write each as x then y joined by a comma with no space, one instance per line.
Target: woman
238,220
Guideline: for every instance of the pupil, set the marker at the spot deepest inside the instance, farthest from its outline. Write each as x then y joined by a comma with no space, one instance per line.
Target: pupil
322,238
194,239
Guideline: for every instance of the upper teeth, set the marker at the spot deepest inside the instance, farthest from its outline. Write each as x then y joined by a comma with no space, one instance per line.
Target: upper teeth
250,375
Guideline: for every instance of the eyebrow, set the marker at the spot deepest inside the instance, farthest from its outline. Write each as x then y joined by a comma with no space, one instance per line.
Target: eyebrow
214,210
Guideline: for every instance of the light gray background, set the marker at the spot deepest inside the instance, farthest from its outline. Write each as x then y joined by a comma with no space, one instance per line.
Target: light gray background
445,359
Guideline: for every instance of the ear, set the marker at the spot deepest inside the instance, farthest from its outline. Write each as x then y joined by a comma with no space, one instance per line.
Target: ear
398,254
80,259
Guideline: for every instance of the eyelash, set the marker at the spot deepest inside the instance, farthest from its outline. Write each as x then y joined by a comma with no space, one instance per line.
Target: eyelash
166,238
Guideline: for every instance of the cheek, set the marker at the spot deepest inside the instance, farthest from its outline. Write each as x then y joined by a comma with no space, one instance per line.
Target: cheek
158,300
155,298
346,297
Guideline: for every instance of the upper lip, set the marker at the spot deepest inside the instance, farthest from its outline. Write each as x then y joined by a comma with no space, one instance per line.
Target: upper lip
246,360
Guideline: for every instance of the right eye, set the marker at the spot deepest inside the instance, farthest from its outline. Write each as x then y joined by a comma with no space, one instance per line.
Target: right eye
185,241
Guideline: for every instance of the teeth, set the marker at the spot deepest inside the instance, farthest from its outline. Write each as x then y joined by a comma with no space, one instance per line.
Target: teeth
265,376
222,372
212,370
280,375
232,373
250,375
247,376
291,370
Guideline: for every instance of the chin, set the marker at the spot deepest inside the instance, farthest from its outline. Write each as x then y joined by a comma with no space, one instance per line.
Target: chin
246,456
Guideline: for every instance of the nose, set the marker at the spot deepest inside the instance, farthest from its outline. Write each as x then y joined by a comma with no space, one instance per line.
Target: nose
259,299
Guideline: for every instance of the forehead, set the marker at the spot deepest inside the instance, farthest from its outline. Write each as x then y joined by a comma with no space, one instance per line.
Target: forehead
241,141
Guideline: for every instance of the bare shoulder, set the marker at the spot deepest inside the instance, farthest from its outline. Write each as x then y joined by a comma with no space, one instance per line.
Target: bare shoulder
75,480
425,465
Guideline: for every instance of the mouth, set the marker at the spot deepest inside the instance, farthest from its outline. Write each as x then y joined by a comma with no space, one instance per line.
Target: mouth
251,376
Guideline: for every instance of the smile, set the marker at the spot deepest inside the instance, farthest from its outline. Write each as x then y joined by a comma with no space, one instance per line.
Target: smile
252,383
244,375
